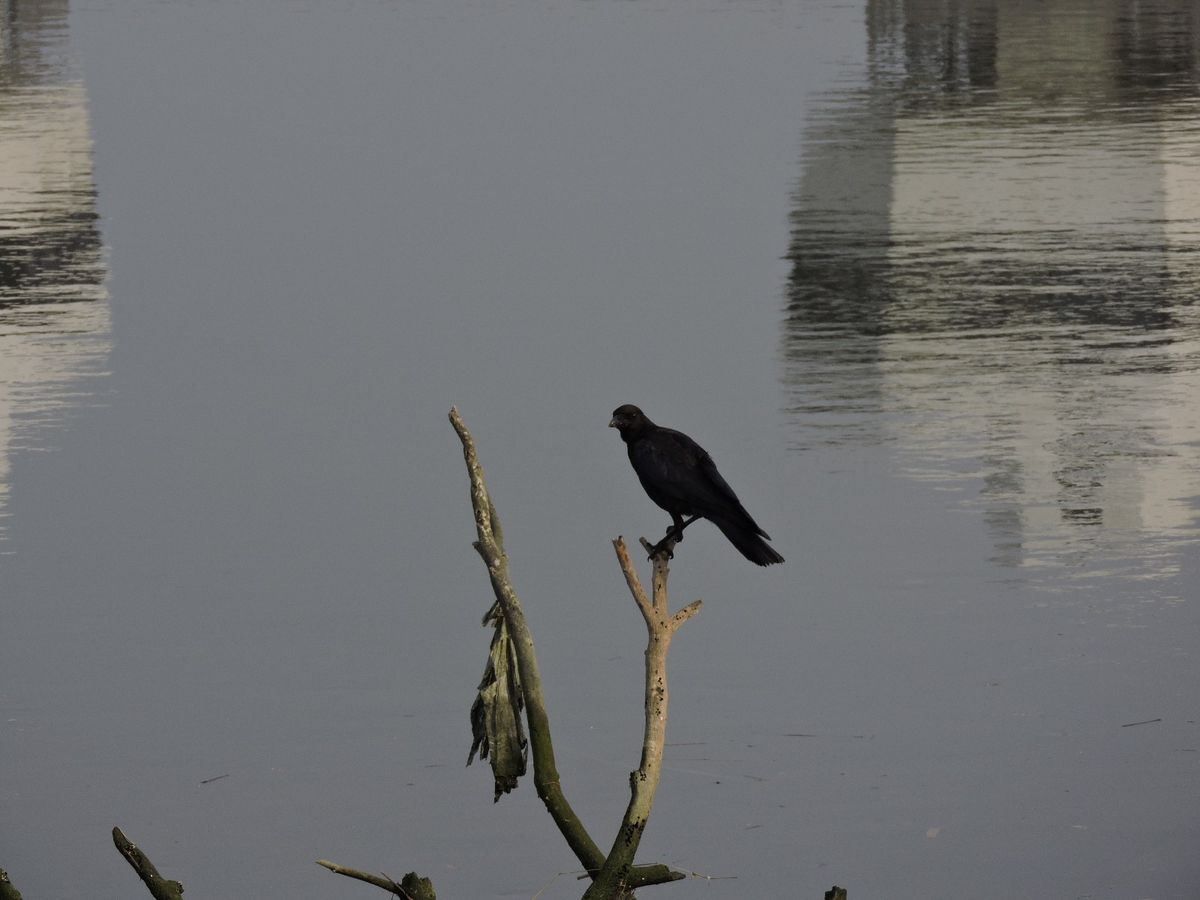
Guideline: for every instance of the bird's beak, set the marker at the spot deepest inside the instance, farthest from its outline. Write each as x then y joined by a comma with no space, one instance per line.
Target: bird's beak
612,423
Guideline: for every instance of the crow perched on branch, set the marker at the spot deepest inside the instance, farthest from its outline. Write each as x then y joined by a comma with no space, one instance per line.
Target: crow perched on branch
681,477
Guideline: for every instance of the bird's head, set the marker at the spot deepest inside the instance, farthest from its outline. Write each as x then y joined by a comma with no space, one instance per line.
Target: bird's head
629,420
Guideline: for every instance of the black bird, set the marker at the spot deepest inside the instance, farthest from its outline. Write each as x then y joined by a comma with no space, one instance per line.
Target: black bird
681,477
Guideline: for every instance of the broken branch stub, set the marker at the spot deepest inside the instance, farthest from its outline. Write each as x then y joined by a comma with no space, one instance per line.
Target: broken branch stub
159,887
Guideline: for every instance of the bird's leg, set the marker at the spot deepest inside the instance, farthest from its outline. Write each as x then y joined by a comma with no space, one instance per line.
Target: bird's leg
664,546
673,536
680,525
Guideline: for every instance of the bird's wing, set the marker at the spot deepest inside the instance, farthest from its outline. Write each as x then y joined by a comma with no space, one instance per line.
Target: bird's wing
724,501
679,474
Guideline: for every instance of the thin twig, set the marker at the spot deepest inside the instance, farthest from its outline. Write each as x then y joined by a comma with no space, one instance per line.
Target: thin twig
645,606
380,881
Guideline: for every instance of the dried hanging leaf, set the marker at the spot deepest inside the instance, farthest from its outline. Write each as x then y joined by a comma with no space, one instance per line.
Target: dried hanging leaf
497,729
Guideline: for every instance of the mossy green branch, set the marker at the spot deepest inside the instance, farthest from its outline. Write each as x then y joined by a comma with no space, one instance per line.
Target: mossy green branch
160,888
8,890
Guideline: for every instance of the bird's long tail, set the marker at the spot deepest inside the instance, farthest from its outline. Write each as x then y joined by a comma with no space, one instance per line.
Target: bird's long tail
746,537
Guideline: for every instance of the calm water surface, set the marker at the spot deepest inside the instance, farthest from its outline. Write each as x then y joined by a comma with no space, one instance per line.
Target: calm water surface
922,276
54,319
997,256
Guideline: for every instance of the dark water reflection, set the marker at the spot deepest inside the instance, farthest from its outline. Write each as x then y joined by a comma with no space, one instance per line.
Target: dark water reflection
996,253
54,319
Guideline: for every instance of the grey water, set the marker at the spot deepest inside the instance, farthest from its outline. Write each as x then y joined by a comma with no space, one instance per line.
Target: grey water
921,275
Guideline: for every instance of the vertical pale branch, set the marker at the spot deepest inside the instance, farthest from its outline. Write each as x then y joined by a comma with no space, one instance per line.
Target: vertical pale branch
615,876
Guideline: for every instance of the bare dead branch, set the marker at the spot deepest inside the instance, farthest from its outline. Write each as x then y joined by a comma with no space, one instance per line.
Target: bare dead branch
614,877
631,578
490,545
411,887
